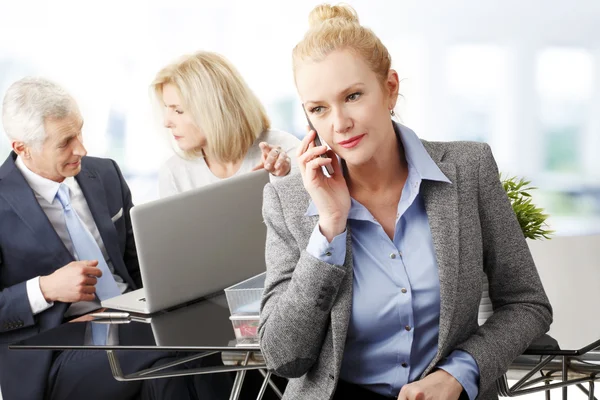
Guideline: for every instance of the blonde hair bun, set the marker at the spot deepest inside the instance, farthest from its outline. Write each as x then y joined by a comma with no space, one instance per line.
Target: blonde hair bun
324,12
337,28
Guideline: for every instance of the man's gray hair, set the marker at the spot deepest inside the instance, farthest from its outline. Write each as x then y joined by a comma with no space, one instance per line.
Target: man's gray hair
28,103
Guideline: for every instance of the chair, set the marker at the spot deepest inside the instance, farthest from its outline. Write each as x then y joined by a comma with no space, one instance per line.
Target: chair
562,262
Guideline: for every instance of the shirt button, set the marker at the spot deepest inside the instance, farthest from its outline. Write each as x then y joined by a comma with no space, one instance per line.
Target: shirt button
393,255
403,290
404,364
328,254
407,327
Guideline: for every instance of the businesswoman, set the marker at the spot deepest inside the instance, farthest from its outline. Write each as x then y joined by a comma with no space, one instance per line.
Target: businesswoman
374,275
219,126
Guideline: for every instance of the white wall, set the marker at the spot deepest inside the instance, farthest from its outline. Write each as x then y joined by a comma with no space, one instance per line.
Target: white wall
470,69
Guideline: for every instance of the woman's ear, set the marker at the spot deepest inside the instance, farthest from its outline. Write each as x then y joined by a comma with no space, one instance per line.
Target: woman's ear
392,85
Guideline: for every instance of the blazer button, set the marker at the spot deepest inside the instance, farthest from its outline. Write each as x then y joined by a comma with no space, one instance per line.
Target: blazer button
332,377
404,364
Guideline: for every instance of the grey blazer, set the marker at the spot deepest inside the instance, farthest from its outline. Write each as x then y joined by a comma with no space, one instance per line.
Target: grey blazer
306,304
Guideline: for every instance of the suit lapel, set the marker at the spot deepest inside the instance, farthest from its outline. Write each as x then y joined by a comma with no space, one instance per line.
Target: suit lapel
441,204
95,196
18,194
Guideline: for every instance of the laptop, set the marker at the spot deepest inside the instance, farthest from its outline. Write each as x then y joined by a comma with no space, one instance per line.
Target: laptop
197,243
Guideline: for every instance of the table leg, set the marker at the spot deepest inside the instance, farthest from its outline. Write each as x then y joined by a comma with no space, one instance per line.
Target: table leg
271,383
565,377
589,393
239,380
264,385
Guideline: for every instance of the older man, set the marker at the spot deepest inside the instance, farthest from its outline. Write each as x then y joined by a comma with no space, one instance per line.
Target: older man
66,243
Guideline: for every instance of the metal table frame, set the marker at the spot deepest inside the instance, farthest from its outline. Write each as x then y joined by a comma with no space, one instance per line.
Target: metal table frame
564,368
158,372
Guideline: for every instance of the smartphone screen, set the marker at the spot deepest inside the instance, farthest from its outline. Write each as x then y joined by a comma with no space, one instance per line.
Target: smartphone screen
318,142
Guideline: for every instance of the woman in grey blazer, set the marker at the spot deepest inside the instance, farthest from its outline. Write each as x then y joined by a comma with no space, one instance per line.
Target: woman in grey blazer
374,271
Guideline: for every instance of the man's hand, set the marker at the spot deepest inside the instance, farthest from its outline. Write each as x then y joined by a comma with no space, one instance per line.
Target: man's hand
72,283
438,385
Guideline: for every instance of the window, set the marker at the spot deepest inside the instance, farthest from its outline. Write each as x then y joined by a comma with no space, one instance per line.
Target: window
564,83
475,76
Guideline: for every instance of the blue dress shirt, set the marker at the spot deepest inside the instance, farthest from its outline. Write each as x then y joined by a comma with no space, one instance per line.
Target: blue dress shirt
394,325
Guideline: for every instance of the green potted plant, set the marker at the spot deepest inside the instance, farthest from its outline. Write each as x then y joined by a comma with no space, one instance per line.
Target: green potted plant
532,220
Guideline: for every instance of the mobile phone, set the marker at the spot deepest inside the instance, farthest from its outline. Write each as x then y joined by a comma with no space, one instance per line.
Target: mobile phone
318,142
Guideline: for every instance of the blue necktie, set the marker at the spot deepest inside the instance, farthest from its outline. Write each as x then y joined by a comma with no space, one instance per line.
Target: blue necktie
86,247
100,333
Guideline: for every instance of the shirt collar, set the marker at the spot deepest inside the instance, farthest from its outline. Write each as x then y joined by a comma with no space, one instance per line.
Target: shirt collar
419,162
44,187
417,156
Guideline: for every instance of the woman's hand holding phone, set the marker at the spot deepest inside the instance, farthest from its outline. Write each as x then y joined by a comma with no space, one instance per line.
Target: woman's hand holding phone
330,194
317,141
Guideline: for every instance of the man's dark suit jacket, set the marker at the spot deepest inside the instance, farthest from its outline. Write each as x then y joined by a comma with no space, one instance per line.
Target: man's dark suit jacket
30,247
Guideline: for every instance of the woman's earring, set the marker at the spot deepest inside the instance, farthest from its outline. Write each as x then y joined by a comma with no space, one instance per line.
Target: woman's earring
392,113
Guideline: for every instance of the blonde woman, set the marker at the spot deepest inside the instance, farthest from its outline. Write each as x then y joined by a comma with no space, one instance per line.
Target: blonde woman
218,124
374,274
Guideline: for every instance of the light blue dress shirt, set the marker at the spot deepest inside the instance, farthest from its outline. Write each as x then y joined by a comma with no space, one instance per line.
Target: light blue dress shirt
394,325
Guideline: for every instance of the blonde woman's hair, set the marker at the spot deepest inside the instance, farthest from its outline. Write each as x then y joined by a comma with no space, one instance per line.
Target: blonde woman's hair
222,105
337,28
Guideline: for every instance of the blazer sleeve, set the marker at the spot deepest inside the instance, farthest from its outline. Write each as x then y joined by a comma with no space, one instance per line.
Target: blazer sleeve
299,293
15,311
522,311
130,256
